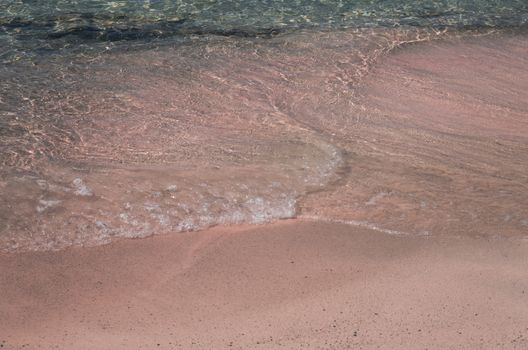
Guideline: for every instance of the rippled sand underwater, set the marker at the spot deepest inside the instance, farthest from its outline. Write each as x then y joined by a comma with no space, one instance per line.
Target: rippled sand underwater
406,130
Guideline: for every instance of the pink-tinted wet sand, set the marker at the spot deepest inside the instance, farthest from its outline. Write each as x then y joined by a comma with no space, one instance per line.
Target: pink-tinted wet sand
295,284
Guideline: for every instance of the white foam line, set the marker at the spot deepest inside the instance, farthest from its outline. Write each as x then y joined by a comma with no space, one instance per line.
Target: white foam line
364,224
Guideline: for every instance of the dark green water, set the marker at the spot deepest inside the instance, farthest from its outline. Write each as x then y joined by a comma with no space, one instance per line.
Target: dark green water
29,26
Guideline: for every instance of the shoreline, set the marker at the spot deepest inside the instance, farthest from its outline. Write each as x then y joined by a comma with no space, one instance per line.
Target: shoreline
279,285
433,190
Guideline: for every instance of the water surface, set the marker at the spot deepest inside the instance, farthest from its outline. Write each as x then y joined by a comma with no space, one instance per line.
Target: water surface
126,119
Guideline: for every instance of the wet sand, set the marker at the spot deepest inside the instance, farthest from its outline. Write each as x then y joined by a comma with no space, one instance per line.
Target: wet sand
294,284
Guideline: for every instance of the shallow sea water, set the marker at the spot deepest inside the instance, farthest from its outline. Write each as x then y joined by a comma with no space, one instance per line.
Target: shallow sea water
127,119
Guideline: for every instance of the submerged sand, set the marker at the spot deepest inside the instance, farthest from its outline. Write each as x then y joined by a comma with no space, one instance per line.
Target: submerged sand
292,285
397,128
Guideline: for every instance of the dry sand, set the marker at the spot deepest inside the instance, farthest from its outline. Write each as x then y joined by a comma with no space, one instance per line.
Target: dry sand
294,284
